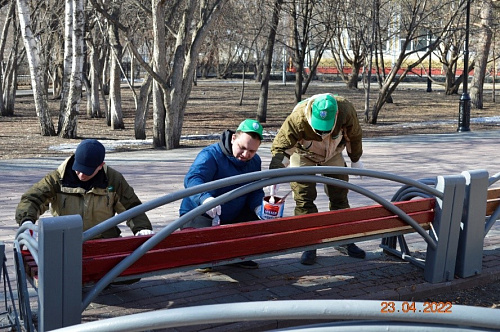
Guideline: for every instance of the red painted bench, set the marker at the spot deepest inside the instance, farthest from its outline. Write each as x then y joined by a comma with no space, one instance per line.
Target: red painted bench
493,200
212,246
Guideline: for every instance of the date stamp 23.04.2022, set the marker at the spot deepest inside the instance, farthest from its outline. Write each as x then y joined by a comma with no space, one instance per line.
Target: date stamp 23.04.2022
389,307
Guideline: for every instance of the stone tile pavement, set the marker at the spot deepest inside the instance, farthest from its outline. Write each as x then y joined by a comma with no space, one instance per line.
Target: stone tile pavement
335,276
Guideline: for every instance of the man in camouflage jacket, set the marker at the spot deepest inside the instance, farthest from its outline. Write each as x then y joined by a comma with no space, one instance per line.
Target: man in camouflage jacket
315,134
83,184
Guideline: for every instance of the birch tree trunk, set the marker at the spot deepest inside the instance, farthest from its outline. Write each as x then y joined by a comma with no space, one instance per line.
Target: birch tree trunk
3,79
67,62
69,124
483,50
94,83
36,69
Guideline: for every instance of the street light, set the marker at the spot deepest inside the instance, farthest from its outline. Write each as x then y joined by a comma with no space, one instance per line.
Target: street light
464,107
429,81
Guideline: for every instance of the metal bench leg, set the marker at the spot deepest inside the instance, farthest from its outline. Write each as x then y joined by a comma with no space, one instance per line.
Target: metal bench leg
389,245
10,309
22,290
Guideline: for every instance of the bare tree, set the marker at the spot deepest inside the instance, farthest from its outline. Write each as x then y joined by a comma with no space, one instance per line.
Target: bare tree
353,26
482,53
115,109
413,20
36,68
268,57
8,72
312,28
66,60
160,88
142,107
69,124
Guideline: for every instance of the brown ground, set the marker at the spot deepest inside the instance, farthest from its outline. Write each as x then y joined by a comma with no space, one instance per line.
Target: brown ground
214,106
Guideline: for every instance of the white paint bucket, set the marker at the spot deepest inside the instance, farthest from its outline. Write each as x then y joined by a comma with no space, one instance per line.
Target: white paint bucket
272,210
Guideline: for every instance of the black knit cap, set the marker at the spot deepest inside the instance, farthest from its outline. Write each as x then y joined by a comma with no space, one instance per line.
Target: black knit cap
88,156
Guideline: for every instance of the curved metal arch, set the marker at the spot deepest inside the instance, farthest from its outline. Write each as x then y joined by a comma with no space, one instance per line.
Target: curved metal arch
169,229
250,177
361,310
409,191
25,226
491,220
26,240
22,289
31,244
494,178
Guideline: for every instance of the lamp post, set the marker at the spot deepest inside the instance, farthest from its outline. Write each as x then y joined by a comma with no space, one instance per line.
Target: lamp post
429,81
464,107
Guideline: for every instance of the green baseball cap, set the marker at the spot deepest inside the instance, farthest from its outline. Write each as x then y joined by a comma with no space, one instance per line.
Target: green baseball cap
324,113
251,126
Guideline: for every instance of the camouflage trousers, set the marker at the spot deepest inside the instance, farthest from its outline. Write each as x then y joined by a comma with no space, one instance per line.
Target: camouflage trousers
305,193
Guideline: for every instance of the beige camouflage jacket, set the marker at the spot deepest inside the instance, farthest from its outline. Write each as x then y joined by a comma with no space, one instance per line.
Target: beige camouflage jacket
297,136
94,205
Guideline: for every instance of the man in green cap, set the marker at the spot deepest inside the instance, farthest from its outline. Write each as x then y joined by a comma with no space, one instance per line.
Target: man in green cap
234,154
315,134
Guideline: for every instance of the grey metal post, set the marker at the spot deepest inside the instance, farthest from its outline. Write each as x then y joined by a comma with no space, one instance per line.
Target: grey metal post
60,272
2,256
440,262
470,245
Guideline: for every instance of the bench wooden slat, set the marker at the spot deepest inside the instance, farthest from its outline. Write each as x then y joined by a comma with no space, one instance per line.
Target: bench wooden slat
127,245
215,250
156,260
493,193
493,200
491,206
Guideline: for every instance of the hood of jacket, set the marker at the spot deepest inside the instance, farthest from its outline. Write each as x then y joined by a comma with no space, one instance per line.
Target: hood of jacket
227,148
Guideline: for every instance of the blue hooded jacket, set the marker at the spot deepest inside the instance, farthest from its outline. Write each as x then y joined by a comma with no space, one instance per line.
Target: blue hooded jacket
216,162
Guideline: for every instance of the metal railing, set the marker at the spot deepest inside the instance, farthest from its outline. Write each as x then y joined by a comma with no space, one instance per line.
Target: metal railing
364,315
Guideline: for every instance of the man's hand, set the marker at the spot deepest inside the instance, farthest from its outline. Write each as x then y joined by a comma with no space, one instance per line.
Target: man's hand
216,211
279,160
358,164
144,232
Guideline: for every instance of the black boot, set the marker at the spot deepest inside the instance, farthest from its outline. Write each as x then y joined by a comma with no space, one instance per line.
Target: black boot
352,250
308,257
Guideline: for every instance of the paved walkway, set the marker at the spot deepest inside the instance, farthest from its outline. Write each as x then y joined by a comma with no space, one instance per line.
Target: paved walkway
335,276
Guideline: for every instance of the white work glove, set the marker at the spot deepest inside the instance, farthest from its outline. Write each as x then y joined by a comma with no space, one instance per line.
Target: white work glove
358,164
273,190
216,211
30,232
258,211
144,232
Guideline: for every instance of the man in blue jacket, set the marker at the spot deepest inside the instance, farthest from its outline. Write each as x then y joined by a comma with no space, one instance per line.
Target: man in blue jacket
234,154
